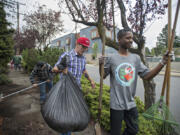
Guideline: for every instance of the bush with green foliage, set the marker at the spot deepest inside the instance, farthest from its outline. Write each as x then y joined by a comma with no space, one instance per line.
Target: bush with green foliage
4,79
94,51
51,55
32,56
91,96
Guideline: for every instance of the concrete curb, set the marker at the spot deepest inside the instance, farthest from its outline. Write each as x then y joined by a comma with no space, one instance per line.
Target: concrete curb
175,74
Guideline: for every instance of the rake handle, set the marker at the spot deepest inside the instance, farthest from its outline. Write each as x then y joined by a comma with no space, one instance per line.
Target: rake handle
170,46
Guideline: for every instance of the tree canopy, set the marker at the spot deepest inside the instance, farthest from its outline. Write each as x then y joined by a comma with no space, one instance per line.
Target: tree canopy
44,24
162,41
25,39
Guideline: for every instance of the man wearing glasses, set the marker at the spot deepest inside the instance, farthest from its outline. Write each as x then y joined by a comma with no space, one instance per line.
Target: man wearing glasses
76,63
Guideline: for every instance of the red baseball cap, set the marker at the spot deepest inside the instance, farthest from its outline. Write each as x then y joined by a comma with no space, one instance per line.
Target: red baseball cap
83,41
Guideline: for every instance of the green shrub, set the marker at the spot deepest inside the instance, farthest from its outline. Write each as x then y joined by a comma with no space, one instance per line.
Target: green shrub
140,105
6,43
56,79
3,75
3,69
94,50
91,96
4,79
146,127
6,38
32,56
51,55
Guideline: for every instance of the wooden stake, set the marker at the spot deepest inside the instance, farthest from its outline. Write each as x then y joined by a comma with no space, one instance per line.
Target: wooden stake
170,49
97,125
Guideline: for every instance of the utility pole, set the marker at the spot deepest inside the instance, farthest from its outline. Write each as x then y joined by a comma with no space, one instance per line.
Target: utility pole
18,17
11,4
18,23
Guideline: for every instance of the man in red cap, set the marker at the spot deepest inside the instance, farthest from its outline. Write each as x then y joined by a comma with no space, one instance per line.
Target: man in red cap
75,63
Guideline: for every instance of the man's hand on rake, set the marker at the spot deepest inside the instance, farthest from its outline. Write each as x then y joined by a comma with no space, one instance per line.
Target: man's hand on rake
167,55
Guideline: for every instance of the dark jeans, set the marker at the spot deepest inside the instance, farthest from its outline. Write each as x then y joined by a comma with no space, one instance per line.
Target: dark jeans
42,87
129,116
17,67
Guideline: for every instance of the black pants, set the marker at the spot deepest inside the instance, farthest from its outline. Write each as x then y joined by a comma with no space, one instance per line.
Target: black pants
129,116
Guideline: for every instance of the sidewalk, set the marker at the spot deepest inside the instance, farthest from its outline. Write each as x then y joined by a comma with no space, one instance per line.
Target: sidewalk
23,115
21,112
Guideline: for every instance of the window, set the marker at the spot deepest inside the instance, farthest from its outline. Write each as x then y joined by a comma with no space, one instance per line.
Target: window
108,34
58,43
62,42
94,34
68,41
83,35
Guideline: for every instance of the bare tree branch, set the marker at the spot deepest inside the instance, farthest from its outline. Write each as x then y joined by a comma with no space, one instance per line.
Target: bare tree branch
123,14
86,23
78,11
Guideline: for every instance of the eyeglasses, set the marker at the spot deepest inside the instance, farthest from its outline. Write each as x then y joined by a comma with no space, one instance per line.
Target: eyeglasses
84,47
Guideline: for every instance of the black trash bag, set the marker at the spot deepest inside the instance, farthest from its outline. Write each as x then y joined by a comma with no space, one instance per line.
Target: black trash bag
65,108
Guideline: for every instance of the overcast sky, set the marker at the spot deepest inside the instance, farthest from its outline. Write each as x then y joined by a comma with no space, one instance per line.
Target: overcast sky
151,34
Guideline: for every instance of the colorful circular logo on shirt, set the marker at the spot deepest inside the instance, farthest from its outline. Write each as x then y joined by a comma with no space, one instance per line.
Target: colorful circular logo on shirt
125,74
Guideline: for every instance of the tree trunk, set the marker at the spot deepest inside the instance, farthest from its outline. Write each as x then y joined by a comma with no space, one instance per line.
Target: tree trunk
149,90
149,93
149,86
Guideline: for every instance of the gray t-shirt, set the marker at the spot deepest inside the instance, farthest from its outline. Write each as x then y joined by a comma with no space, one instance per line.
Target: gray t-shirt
124,71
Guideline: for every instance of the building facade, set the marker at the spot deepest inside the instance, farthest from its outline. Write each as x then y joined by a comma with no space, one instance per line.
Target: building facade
68,41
